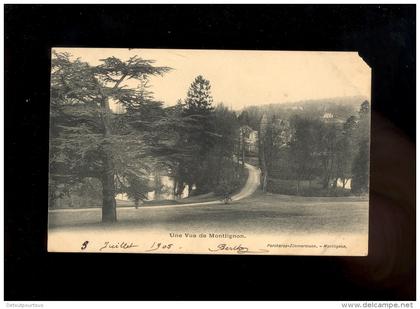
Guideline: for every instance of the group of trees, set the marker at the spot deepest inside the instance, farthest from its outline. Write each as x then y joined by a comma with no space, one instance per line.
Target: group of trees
200,145
206,144
318,151
93,147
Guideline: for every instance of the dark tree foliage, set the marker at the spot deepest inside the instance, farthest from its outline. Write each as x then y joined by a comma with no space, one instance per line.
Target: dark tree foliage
224,173
205,140
305,145
318,151
199,136
87,138
360,169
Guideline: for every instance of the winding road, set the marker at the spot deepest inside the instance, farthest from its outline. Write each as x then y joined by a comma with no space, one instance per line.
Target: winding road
251,184
249,188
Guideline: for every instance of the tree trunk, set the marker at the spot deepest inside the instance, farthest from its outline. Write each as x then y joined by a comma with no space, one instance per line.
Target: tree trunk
219,165
344,182
335,182
158,185
180,189
264,175
243,151
326,179
298,186
109,211
71,200
52,203
264,184
174,188
264,168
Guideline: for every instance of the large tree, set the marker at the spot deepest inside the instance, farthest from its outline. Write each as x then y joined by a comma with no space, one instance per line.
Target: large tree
224,173
87,138
345,151
270,137
360,168
198,135
303,148
198,105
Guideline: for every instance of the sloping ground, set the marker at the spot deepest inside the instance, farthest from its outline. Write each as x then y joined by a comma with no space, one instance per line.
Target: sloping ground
249,188
260,213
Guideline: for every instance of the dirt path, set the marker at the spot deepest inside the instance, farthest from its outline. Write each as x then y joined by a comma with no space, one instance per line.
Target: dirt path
249,188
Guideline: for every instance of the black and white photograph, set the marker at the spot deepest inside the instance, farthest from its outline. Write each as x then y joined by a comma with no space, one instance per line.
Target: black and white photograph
180,154
209,152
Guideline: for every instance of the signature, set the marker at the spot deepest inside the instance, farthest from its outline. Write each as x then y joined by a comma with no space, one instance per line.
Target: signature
118,245
238,248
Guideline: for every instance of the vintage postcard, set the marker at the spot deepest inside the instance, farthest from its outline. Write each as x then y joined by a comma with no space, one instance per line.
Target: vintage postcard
209,152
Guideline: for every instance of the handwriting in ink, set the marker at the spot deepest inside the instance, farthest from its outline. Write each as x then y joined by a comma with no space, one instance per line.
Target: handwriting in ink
235,248
159,245
117,245
84,245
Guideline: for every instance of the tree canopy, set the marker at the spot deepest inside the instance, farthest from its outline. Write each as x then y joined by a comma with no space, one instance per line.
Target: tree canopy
87,138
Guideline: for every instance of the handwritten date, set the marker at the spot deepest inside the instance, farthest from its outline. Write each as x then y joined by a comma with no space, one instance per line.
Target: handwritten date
159,245
117,245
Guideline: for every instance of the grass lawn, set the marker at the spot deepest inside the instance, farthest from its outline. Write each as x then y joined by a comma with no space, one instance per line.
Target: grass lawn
260,213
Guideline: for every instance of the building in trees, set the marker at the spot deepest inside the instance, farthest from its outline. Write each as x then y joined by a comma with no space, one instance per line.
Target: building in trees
251,142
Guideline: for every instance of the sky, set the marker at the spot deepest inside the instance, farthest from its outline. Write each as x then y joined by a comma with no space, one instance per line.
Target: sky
244,78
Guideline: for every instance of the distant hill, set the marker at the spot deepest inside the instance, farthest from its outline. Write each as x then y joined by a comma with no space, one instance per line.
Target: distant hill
339,108
353,100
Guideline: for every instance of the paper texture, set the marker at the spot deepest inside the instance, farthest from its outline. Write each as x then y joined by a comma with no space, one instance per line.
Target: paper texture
209,152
